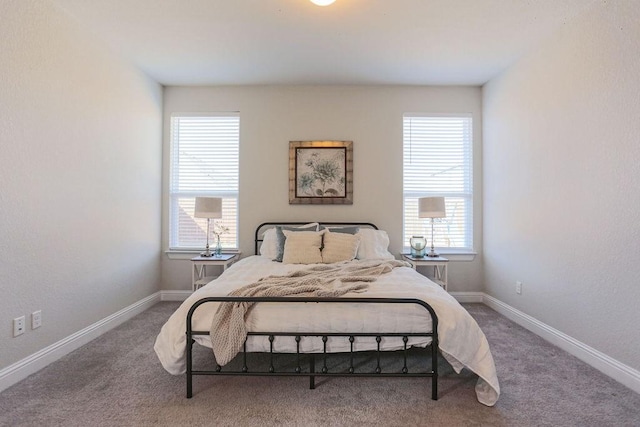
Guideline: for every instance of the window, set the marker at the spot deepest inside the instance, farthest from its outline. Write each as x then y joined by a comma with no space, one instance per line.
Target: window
204,162
438,162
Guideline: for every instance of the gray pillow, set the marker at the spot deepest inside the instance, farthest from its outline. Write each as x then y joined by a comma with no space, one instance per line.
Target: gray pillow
281,238
347,230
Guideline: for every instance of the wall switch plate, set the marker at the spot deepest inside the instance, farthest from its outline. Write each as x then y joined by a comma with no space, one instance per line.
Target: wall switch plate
36,319
18,326
519,288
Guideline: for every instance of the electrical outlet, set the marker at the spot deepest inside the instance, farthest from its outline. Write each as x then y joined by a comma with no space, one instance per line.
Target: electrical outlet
519,288
18,326
36,319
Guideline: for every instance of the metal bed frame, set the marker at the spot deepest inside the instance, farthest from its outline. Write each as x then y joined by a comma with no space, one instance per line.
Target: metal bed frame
325,336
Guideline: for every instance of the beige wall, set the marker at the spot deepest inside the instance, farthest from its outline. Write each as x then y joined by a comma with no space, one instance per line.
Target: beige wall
80,171
271,116
562,181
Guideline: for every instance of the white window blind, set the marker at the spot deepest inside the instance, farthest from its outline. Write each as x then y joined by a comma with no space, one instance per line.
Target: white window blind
204,162
438,162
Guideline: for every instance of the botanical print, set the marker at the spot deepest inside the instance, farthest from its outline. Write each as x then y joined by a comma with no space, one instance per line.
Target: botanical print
320,172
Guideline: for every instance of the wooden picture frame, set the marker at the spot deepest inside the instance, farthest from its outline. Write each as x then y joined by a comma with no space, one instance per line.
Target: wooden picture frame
321,172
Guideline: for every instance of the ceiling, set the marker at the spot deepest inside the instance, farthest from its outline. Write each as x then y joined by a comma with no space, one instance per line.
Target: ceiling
240,42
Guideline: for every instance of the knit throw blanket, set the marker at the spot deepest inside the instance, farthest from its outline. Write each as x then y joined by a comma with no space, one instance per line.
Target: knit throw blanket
228,329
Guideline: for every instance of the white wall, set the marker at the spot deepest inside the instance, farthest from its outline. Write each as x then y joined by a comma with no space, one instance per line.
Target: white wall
562,181
271,116
80,172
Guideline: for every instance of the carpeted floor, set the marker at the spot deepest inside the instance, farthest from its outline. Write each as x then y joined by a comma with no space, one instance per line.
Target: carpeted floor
116,380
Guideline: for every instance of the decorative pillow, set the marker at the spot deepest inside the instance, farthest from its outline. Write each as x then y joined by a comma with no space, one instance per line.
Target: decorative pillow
348,230
280,237
269,246
338,247
302,247
374,244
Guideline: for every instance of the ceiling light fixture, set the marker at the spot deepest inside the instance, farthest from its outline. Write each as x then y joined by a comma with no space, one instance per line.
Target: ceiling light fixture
322,2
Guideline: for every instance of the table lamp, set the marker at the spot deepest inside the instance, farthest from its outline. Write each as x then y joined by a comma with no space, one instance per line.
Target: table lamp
210,208
431,207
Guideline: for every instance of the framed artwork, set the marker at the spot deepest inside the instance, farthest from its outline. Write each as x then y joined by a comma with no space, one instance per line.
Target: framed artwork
321,172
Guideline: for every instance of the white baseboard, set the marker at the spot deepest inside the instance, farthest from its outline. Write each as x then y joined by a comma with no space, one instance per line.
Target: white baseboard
468,296
174,295
618,371
32,364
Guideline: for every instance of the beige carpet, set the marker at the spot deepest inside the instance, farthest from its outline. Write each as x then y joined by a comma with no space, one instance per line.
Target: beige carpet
116,380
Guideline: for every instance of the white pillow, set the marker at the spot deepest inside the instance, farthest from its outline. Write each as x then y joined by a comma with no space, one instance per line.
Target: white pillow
374,244
269,246
270,243
302,247
280,237
338,247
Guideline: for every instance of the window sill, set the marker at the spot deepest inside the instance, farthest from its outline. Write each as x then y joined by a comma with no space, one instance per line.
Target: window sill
452,254
459,256
190,253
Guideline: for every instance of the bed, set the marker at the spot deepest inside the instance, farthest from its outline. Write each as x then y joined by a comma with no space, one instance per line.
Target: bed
393,312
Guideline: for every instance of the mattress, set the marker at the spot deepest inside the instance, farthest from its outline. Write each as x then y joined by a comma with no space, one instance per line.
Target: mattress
461,341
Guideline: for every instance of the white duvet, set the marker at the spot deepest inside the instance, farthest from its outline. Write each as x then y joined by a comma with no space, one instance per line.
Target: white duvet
462,343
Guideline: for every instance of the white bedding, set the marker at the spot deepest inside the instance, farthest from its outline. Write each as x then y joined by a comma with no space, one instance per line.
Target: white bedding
462,343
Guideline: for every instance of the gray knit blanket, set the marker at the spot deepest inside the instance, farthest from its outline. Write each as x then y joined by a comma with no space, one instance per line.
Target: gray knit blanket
228,329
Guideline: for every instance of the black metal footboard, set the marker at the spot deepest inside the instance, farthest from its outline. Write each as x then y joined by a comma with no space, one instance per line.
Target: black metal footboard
325,336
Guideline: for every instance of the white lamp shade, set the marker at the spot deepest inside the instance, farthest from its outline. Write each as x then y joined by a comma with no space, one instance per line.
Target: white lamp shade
431,207
208,207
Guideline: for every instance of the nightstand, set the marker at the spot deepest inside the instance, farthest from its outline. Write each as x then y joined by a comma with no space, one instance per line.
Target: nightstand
438,270
201,266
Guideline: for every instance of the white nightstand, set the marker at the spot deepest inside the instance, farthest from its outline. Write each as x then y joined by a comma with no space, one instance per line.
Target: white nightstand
439,265
199,274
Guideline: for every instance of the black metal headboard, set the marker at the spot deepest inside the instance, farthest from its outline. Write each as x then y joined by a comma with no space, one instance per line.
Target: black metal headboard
267,225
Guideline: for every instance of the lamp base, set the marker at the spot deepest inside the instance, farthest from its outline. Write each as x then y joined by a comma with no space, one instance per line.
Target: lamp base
207,253
432,253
